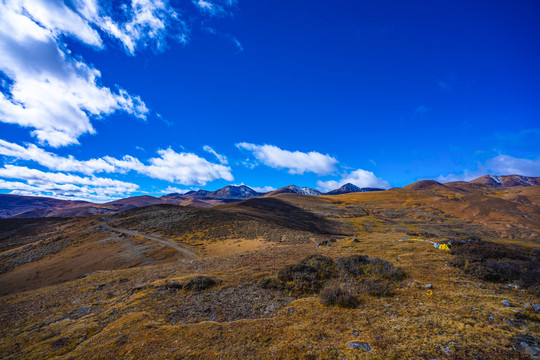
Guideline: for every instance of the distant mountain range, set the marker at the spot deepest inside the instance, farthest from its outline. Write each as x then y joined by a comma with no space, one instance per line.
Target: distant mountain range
32,206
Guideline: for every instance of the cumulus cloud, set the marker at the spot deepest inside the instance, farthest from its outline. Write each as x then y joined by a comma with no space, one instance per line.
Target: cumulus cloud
360,178
295,162
185,168
50,90
56,93
182,168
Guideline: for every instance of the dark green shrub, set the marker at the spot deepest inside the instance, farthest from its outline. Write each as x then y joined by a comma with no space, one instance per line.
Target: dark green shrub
199,283
334,295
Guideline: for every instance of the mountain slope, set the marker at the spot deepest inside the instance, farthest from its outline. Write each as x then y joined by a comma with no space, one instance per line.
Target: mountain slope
293,189
506,180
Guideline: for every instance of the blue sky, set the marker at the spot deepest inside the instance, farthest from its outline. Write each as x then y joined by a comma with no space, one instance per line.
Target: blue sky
102,100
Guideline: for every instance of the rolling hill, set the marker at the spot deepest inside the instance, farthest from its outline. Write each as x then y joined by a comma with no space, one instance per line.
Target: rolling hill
262,276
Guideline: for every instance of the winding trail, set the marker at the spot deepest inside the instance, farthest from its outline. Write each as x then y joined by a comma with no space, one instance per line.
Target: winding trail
187,253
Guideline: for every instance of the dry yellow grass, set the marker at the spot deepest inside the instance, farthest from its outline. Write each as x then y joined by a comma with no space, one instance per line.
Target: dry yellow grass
134,313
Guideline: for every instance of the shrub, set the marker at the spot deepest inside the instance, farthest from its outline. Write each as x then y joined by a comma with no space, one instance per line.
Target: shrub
308,275
334,295
199,283
382,269
323,265
497,263
270,283
353,265
377,288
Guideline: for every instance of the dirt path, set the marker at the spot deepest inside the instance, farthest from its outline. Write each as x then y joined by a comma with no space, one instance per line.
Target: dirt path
187,253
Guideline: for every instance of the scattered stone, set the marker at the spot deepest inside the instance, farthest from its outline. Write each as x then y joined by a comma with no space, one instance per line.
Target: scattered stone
355,240
359,346
323,243
506,303
527,344
99,287
535,307
428,286
509,322
356,332
446,350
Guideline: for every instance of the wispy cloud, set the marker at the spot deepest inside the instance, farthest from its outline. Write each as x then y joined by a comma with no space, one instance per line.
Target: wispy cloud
35,182
509,165
295,162
171,190
221,158
359,177
422,110
499,165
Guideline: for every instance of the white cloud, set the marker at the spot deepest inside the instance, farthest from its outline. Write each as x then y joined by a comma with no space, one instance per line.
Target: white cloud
360,178
170,190
182,168
50,90
185,168
221,158
53,91
499,165
295,161
62,185
52,161
264,189
509,165
465,176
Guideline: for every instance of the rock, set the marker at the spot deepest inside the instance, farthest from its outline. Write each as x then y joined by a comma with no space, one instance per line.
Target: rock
535,307
359,346
323,243
508,322
506,303
527,344
355,240
428,286
99,287
356,332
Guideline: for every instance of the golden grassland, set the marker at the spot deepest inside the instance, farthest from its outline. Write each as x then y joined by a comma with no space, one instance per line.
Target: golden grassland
129,316
137,312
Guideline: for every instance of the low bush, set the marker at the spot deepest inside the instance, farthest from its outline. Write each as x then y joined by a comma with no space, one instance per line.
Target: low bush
497,263
382,269
334,295
353,265
308,275
377,288
199,283
270,283
374,276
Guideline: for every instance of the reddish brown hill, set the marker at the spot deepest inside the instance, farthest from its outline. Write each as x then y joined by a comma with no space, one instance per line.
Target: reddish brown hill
506,180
